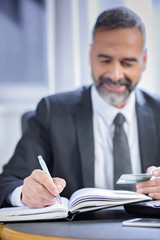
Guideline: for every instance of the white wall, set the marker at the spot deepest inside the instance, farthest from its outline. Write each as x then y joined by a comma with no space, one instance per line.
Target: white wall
10,133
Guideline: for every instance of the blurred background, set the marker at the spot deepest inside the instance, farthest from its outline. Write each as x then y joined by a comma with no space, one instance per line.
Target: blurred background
44,48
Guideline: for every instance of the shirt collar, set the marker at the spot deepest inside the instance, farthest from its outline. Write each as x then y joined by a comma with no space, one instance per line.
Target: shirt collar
107,111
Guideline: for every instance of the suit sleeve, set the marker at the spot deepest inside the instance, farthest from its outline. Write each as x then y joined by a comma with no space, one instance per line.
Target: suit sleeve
35,141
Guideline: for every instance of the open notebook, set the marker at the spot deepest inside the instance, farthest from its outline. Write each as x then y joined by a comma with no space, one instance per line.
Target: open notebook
83,200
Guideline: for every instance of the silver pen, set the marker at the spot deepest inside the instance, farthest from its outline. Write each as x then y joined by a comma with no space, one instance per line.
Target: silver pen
45,169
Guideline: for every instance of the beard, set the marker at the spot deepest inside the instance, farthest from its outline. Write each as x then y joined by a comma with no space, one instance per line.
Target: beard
114,98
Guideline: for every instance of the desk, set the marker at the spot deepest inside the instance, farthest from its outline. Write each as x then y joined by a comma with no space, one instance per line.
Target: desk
103,224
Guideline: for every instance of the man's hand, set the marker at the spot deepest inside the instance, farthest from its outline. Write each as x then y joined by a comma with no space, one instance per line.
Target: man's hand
152,186
38,191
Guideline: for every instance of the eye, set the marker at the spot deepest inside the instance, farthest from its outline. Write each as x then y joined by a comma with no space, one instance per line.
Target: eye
126,64
105,61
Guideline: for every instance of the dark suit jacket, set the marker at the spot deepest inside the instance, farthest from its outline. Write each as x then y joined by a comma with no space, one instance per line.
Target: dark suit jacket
62,132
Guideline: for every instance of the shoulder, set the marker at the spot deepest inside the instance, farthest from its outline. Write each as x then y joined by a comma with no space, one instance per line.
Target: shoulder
67,100
70,97
145,97
61,105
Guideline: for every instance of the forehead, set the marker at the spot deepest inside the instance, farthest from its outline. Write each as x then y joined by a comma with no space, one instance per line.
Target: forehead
119,39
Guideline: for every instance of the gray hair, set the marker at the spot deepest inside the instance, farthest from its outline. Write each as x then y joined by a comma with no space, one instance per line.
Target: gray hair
120,17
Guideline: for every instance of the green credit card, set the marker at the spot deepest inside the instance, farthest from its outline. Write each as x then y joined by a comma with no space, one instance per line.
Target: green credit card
133,178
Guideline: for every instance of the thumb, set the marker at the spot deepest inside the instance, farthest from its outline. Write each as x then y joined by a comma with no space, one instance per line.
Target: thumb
151,169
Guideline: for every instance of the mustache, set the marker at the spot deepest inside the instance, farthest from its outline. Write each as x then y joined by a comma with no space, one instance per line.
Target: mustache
120,82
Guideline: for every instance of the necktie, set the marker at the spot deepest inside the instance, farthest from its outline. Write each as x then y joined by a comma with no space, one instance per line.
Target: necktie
121,153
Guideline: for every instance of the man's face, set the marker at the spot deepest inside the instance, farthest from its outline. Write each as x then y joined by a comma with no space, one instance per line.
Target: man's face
117,59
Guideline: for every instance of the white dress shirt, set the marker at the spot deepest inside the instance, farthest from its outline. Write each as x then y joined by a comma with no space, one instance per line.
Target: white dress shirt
15,197
103,116
103,127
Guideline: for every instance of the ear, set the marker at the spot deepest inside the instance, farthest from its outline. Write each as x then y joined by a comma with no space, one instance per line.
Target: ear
144,60
91,53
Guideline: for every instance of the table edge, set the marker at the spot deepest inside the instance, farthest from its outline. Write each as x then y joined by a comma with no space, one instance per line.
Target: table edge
6,233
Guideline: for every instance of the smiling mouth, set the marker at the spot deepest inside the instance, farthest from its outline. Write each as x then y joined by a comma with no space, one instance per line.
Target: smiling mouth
114,87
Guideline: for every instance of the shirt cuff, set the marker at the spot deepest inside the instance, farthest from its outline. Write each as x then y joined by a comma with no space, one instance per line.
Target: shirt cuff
14,198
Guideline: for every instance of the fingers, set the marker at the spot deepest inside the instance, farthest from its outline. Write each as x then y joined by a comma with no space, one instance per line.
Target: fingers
155,171
151,187
60,183
150,169
42,178
153,192
39,191
33,200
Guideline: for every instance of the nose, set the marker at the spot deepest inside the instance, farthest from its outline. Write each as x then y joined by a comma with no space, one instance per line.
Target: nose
115,72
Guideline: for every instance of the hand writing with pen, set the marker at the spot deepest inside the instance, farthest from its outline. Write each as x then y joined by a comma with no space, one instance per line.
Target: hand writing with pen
40,189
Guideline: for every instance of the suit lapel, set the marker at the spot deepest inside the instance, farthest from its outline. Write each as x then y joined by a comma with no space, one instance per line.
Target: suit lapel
84,124
147,132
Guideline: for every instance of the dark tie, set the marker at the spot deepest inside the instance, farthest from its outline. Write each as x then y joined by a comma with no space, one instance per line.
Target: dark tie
121,153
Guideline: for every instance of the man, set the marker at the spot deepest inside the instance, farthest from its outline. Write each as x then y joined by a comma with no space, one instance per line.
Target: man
74,131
